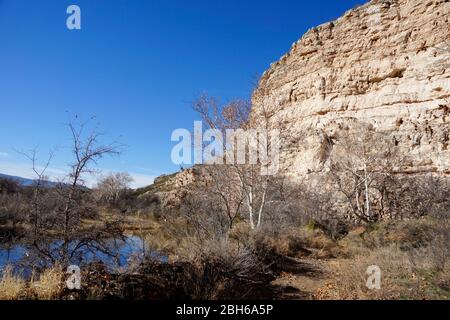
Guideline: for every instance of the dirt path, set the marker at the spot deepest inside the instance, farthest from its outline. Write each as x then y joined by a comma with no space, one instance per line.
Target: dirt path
303,279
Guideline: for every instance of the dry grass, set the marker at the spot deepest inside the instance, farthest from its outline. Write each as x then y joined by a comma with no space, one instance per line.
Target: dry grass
167,237
49,284
11,286
413,255
414,258
316,239
350,274
46,287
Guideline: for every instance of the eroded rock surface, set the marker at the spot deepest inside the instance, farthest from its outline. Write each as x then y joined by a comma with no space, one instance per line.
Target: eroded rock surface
386,63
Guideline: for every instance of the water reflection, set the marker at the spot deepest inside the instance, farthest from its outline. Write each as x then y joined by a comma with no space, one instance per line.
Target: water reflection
121,254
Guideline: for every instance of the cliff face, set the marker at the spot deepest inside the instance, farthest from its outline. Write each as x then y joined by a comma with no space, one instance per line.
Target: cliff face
386,64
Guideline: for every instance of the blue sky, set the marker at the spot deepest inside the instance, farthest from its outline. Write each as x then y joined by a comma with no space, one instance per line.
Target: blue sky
136,65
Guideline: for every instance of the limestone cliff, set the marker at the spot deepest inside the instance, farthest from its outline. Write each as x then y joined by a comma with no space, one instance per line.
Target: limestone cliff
386,63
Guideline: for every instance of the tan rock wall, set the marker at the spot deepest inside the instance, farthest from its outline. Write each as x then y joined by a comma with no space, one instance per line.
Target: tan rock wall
386,63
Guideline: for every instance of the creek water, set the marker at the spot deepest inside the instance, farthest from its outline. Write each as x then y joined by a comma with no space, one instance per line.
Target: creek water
121,254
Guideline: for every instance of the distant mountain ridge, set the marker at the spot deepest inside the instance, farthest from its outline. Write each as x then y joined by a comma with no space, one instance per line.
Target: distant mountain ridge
25,182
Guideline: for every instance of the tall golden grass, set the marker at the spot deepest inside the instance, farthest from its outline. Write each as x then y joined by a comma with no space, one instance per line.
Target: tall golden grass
46,286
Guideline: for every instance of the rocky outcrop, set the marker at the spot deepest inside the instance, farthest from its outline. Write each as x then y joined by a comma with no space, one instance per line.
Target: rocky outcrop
386,63
171,190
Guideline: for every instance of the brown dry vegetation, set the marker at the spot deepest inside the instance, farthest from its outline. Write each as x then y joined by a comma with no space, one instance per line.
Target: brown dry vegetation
413,255
266,238
11,286
46,286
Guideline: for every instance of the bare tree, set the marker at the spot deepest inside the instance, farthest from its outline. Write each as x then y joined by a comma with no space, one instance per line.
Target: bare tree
87,150
39,186
214,204
248,187
110,188
59,210
359,164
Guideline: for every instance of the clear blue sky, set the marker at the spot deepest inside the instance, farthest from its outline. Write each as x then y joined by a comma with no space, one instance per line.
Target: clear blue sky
136,65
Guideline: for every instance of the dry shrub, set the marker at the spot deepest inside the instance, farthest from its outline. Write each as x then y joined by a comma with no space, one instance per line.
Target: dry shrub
407,234
49,284
262,243
435,257
353,244
317,239
417,273
47,287
235,259
222,273
218,268
11,286
413,256
292,242
241,232
351,277
160,241
298,242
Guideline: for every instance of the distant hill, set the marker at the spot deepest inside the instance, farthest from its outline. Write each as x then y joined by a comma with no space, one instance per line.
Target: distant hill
25,182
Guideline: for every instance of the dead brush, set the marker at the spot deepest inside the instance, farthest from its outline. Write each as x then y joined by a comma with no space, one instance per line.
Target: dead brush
219,268
351,276
11,286
408,272
48,285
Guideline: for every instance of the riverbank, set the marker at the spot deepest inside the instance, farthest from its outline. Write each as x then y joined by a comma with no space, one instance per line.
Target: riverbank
302,264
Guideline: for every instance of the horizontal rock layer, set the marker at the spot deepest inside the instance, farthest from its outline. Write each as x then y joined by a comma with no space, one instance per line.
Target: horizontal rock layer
386,63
